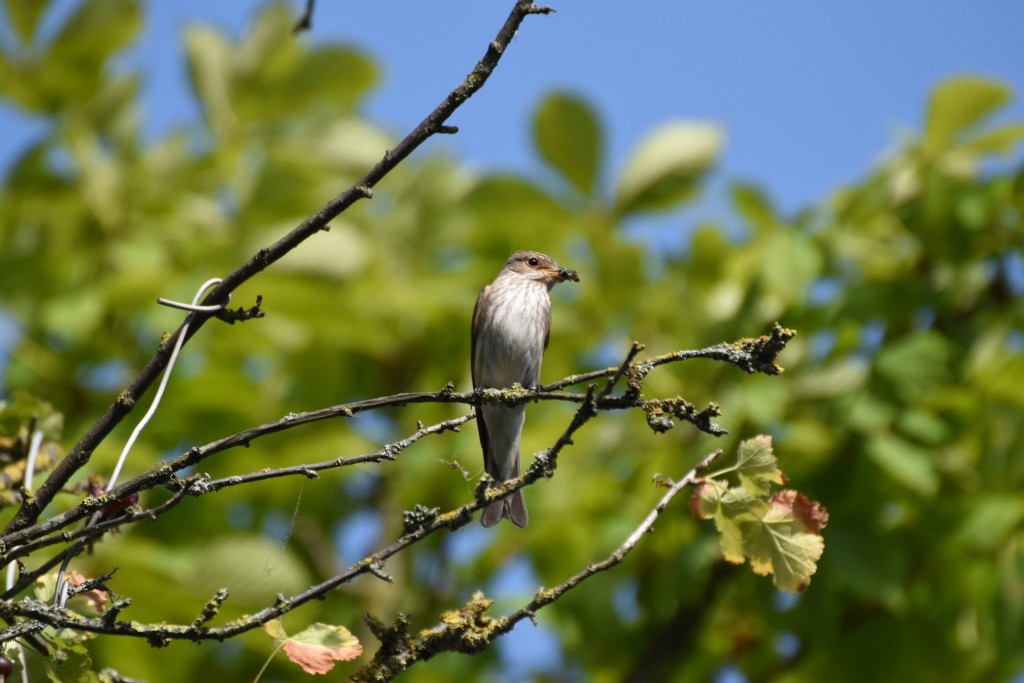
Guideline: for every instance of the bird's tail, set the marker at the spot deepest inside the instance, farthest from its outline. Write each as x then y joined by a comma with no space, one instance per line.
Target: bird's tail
512,508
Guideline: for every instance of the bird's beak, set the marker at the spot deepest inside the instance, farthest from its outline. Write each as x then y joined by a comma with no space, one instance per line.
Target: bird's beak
558,274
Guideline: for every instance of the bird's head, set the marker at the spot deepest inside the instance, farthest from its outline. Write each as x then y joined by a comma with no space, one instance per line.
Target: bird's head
537,266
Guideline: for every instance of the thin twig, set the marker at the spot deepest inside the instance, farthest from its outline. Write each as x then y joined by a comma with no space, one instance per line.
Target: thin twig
101,527
546,596
388,452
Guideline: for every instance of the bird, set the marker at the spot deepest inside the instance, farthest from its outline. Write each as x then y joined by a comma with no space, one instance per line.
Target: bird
510,331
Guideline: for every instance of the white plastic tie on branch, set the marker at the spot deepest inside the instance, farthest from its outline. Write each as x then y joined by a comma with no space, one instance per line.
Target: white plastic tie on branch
63,589
194,306
35,443
30,468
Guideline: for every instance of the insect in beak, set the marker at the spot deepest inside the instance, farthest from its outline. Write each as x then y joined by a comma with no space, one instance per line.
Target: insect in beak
566,274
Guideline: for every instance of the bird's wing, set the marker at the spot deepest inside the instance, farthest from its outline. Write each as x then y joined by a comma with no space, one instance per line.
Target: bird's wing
480,424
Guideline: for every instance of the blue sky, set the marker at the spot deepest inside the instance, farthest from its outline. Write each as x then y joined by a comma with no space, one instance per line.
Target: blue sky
810,94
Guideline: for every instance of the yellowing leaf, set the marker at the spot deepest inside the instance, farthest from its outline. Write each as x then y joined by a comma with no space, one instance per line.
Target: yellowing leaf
779,533
318,647
787,542
757,466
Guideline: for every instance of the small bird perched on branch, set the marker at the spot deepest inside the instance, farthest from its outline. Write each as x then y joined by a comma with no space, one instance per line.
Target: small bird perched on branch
511,326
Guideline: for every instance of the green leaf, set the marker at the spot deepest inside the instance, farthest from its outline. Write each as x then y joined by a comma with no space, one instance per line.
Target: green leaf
905,463
956,105
779,533
1002,140
755,207
21,409
916,364
731,508
97,29
333,78
24,16
668,166
757,466
209,67
71,663
568,136
275,629
512,211
316,648
991,522
791,262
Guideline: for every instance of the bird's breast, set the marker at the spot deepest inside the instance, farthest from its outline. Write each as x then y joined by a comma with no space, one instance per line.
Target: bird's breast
510,341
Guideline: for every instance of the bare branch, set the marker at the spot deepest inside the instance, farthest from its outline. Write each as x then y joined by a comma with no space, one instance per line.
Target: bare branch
757,355
470,629
388,452
750,355
305,22
161,634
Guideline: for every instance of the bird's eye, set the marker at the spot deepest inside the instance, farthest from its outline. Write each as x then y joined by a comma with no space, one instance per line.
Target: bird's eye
533,261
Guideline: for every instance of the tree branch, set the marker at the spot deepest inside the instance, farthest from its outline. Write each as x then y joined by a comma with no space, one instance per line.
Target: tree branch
419,524
751,355
754,355
470,630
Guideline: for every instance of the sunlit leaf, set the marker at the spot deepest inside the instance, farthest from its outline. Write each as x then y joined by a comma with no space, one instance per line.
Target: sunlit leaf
275,629
732,509
667,166
779,533
956,105
567,134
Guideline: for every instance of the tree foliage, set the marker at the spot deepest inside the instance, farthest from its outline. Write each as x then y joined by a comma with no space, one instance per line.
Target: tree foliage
900,408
